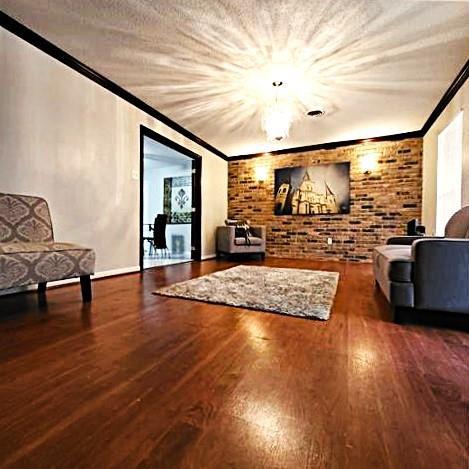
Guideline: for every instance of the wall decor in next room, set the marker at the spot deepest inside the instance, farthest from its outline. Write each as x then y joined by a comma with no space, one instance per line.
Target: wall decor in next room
313,190
384,196
177,199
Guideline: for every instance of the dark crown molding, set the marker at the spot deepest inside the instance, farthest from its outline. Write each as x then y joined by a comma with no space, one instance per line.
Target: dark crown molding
59,54
47,47
330,145
447,97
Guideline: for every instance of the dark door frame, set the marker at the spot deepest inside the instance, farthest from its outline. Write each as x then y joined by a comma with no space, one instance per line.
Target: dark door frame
196,225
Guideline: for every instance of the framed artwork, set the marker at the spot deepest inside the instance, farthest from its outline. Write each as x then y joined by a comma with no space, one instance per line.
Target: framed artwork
177,199
313,190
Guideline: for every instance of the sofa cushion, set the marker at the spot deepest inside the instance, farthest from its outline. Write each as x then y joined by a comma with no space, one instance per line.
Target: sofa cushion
394,262
29,263
253,241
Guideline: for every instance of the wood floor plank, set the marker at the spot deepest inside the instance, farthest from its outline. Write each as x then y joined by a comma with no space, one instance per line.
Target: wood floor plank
138,380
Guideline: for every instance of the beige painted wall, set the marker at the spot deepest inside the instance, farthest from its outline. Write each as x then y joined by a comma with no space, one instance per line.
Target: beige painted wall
71,141
430,154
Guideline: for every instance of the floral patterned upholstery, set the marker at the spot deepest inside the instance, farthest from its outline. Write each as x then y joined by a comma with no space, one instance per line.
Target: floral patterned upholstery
28,253
24,218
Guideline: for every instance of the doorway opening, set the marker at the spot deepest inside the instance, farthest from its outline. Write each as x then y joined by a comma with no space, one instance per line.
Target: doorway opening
170,202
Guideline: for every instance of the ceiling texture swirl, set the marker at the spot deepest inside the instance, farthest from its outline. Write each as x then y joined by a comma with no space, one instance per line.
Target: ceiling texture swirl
375,67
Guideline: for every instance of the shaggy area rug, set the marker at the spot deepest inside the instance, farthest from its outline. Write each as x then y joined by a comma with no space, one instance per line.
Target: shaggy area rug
296,292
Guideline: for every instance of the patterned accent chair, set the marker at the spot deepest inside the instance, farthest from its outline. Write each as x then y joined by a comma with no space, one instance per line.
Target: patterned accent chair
28,252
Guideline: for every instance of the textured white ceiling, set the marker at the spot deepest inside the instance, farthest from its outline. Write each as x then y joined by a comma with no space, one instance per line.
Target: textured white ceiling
376,67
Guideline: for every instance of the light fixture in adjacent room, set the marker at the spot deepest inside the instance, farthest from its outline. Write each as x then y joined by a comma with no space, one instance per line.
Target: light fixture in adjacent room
278,116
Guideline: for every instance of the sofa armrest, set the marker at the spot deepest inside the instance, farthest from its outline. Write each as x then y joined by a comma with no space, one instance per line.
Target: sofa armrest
258,231
406,240
441,274
225,238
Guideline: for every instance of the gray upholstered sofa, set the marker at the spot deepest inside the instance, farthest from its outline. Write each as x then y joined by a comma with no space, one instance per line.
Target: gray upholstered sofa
427,273
229,243
28,253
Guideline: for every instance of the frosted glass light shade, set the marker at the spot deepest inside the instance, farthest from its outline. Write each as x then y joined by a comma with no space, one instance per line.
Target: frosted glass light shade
276,122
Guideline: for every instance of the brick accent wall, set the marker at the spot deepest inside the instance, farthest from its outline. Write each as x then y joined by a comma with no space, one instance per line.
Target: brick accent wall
381,202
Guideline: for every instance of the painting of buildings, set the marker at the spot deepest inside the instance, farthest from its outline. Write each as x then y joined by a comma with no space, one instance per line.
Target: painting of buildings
313,190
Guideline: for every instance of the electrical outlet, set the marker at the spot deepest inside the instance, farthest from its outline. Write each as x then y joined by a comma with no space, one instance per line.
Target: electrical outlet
329,241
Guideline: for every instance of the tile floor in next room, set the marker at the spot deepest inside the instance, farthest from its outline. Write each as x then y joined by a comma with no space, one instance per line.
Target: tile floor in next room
140,380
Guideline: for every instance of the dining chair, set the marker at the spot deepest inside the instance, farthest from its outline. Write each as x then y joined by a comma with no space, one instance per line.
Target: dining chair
158,240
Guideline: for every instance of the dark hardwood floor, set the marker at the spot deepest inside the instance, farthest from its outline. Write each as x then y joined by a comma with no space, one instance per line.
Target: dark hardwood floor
135,379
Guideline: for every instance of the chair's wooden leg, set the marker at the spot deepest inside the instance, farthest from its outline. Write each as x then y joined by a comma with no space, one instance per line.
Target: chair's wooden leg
398,314
41,294
86,293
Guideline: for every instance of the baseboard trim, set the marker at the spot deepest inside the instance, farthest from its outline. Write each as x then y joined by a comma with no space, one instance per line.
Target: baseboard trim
113,272
58,283
206,257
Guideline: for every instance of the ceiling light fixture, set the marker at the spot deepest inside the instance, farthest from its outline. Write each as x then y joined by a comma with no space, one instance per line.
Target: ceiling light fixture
277,117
